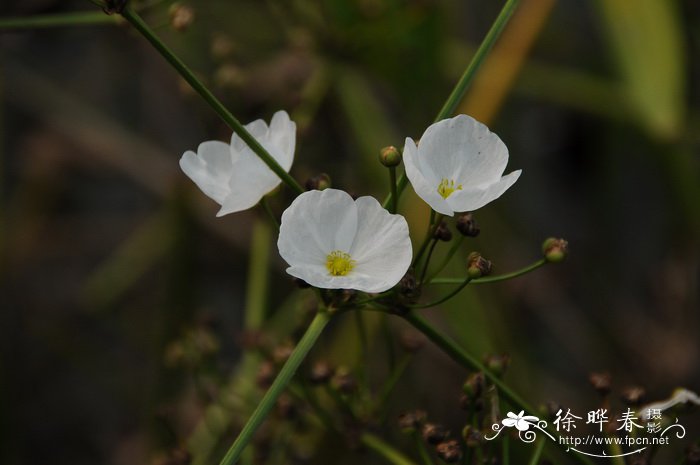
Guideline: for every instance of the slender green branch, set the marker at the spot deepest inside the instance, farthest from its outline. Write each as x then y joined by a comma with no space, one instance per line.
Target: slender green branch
392,189
422,450
463,358
493,279
390,384
432,224
364,349
465,81
78,18
427,260
285,375
385,450
273,219
136,20
453,250
446,297
537,453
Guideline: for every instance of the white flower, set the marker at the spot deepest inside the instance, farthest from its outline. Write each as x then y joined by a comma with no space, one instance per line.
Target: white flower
458,165
232,175
520,421
334,242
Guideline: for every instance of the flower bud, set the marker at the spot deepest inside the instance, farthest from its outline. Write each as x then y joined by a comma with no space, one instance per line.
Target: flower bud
319,182
466,225
478,266
555,250
449,451
410,421
408,287
442,232
181,16
434,434
600,382
390,156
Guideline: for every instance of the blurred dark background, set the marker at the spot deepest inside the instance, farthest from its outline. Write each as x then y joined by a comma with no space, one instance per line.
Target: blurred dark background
122,297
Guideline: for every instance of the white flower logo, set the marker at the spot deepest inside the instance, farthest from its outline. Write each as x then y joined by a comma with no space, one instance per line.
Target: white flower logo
232,175
520,421
458,165
334,242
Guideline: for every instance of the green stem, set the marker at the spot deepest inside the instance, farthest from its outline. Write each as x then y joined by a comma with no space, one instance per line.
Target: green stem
422,450
537,453
465,81
453,250
385,450
82,18
391,383
392,189
427,260
493,279
463,358
266,206
434,220
364,349
136,20
447,297
285,375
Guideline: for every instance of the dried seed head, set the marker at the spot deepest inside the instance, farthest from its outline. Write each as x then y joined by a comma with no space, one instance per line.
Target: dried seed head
449,451
601,382
442,232
555,250
409,422
181,16
319,182
467,226
472,436
474,384
478,266
434,434
321,372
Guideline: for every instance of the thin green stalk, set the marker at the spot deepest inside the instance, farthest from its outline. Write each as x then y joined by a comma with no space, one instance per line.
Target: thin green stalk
427,260
447,297
385,450
392,190
465,81
391,383
463,358
81,18
285,375
364,349
184,71
257,288
266,206
505,450
422,450
537,453
434,219
492,279
450,253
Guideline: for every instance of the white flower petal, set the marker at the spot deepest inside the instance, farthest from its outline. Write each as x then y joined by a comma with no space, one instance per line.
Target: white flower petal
209,168
425,186
318,223
283,133
382,246
464,153
472,199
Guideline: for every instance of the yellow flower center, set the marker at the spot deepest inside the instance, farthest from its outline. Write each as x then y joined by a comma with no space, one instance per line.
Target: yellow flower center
447,187
339,263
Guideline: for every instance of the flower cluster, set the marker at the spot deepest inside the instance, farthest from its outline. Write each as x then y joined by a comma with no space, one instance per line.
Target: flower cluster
330,240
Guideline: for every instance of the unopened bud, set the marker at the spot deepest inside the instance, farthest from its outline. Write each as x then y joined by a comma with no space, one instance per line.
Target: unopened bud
472,436
319,182
442,232
600,382
633,395
449,451
390,156
474,384
555,250
478,266
498,364
409,422
321,372
466,225
434,434
181,16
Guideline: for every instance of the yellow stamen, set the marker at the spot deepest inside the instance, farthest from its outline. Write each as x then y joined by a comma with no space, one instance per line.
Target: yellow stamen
339,263
446,188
